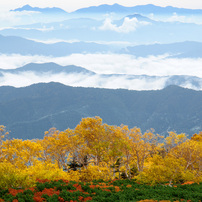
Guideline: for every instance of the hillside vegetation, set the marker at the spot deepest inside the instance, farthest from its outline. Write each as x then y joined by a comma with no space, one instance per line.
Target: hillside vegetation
94,150
29,111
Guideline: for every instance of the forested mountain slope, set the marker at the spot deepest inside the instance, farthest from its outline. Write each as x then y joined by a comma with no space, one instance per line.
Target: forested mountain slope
28,112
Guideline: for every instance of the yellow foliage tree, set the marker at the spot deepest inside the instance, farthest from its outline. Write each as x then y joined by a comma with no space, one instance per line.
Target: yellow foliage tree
104,151
21,153
10,176
114,148
57,146
93,134
142,145
161,170
173,140
3,134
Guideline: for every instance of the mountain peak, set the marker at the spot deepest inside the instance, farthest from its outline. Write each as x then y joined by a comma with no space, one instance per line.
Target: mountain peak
50,67
27,6
117,5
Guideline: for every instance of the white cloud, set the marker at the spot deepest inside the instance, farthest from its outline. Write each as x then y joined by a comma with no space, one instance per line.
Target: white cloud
15,60
15,18
84,80
128,25
119,44
185,19
52,41
43,29
127,64
114,64
104,64
176,17
197,19
112,82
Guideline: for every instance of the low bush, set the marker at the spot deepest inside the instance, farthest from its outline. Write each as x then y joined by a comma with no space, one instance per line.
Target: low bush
105,191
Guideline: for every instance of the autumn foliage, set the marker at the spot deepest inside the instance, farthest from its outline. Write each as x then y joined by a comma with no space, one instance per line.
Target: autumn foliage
95,150
105,191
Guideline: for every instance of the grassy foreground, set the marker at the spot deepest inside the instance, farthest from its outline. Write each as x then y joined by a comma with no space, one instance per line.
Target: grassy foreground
103,191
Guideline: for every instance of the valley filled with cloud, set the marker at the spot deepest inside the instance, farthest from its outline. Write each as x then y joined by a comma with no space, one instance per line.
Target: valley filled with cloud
150,73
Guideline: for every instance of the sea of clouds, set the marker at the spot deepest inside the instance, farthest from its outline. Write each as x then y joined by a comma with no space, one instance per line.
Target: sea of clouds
158,68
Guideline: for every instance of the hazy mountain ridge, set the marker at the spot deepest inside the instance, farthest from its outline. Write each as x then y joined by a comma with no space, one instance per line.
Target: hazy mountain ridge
51,68
29,111
13,44
42,10
144,9
117,8
135,32
162,23
181,49
19,45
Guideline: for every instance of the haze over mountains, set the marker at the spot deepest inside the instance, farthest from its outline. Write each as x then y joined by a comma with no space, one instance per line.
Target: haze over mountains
106,47
18,45
106,30
102,23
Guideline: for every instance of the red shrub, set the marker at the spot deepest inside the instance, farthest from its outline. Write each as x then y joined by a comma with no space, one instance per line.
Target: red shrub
88,198
38,199
61,199
14,192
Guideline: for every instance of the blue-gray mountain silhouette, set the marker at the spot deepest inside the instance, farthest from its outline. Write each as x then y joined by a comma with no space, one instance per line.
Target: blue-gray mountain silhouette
187,49
141,9
51,68
28,112
13,44
41,10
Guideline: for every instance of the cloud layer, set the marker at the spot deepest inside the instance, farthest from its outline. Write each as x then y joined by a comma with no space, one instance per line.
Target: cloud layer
114,64
103,64
128,25
113,82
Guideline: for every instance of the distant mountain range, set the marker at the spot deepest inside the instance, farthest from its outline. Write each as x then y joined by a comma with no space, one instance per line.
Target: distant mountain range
140,30
13,44
18,45
150,24
187,49
41,10
142,9
116,8
28,112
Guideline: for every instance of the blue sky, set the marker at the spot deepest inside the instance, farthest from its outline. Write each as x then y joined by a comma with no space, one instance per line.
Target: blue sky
69,5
